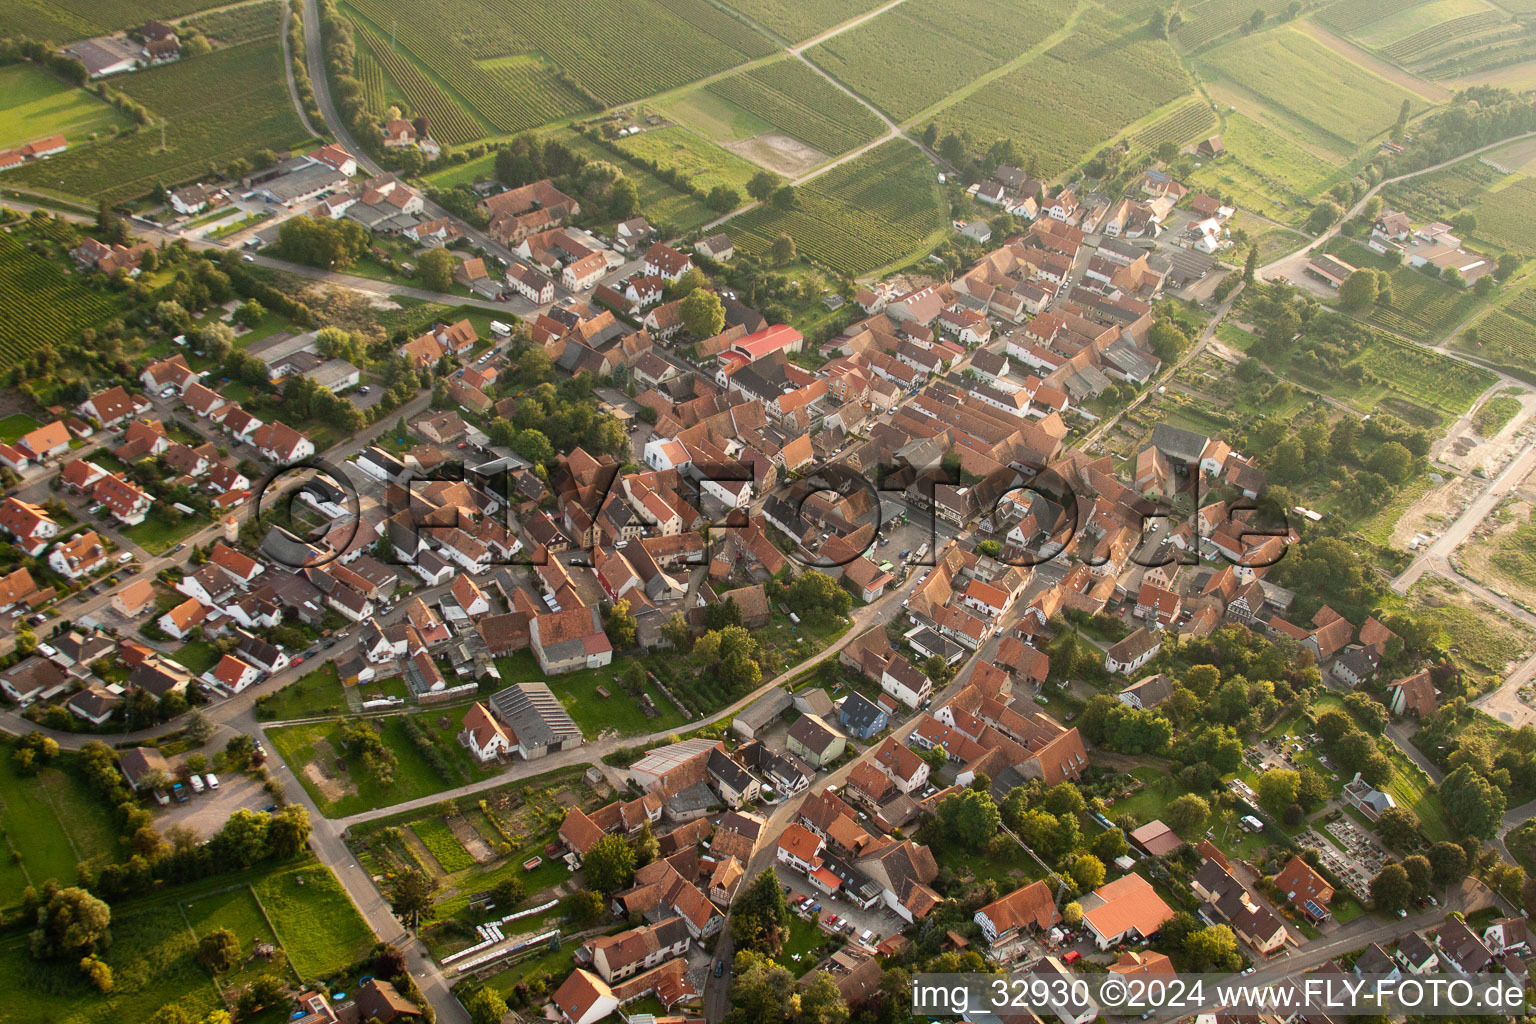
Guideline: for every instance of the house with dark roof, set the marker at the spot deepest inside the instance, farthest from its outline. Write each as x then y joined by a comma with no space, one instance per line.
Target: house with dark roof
861,718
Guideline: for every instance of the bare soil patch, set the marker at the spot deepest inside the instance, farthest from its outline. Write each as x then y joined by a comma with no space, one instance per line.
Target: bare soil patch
1433,512
330,786
1477,553
473,842
779,153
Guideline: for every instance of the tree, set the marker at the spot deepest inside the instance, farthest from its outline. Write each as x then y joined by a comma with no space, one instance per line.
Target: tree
218,951
783,251
1256,21
761,992
702,314
821,1002
1324,215
623,199
784,198
72,924
265,991
970,816
1088,871
621,627
1472,803
1392,461
1358,290
410,893
97,973
1251,265
1398,827
1420,874
1484,286
1213,948
1072,914
763,185
1158,26
723,199
1277,790
287,832
760,916
435,268
1166,339
485,1006
1390,889
1508,264
1187,813
243,839
609,864
582,907
1448,863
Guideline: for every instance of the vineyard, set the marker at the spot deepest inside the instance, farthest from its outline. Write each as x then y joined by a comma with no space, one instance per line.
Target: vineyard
64,20
449,121
614,51
1350,15
1422,45
42,304
547,96
1505,340
1190,121
701,163
914,55
800,103
1425,377
797,20
1513,46
1212,19
232,26
372,78
868,213
241,107
670,211
1507,217
1312,84
1265,172
1097,83
1441,195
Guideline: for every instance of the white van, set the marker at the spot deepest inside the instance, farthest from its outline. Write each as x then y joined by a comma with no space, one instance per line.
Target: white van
212,780
197,783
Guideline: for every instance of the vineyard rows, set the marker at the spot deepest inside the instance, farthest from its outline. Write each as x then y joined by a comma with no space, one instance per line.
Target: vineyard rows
39,304
1214,18
1436,37
1524,305
712,21
1350,15
234,25
800,103
1507,218
217,107
1506,51
868,213
800,19
1424,376
449,122
1188,122
914,55
545,96
1506,340
372,77
1097,85
64,20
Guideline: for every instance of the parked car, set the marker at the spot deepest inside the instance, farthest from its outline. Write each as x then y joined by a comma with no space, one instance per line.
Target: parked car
212,780
197,783
719,968
180,793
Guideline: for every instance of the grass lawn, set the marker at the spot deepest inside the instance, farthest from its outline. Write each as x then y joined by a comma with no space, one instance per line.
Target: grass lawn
351,790
317,693
1345,909
54,821
12,427
1412,788
804,938
33,104
315,919
240,912
163,529
594,713
197,657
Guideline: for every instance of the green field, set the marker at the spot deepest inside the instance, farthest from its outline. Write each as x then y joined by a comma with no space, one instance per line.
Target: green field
613,51
349,789
242,107
55,822
451,123
1507,216
1355,14
870,212
1409,22
314,918
230,26
1505,337
56,304
592,712
914,55
796,101
1210,19
1098,82
440,841
315,693
1311,84
798,20
238,910
701,162
33,104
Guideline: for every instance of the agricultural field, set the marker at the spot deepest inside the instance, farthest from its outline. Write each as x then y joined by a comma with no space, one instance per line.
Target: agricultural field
242,108
700,161
1410,21
1352,15
914,55
1443,194
798,102
314,918
1212,19
54,822
33,103
1505,337
1311,84
1193,120
451,123
1266,173
1099,82
866,214
1422,307
65,20
57,304
798,20
663,43
670,211
230,26
1506,216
